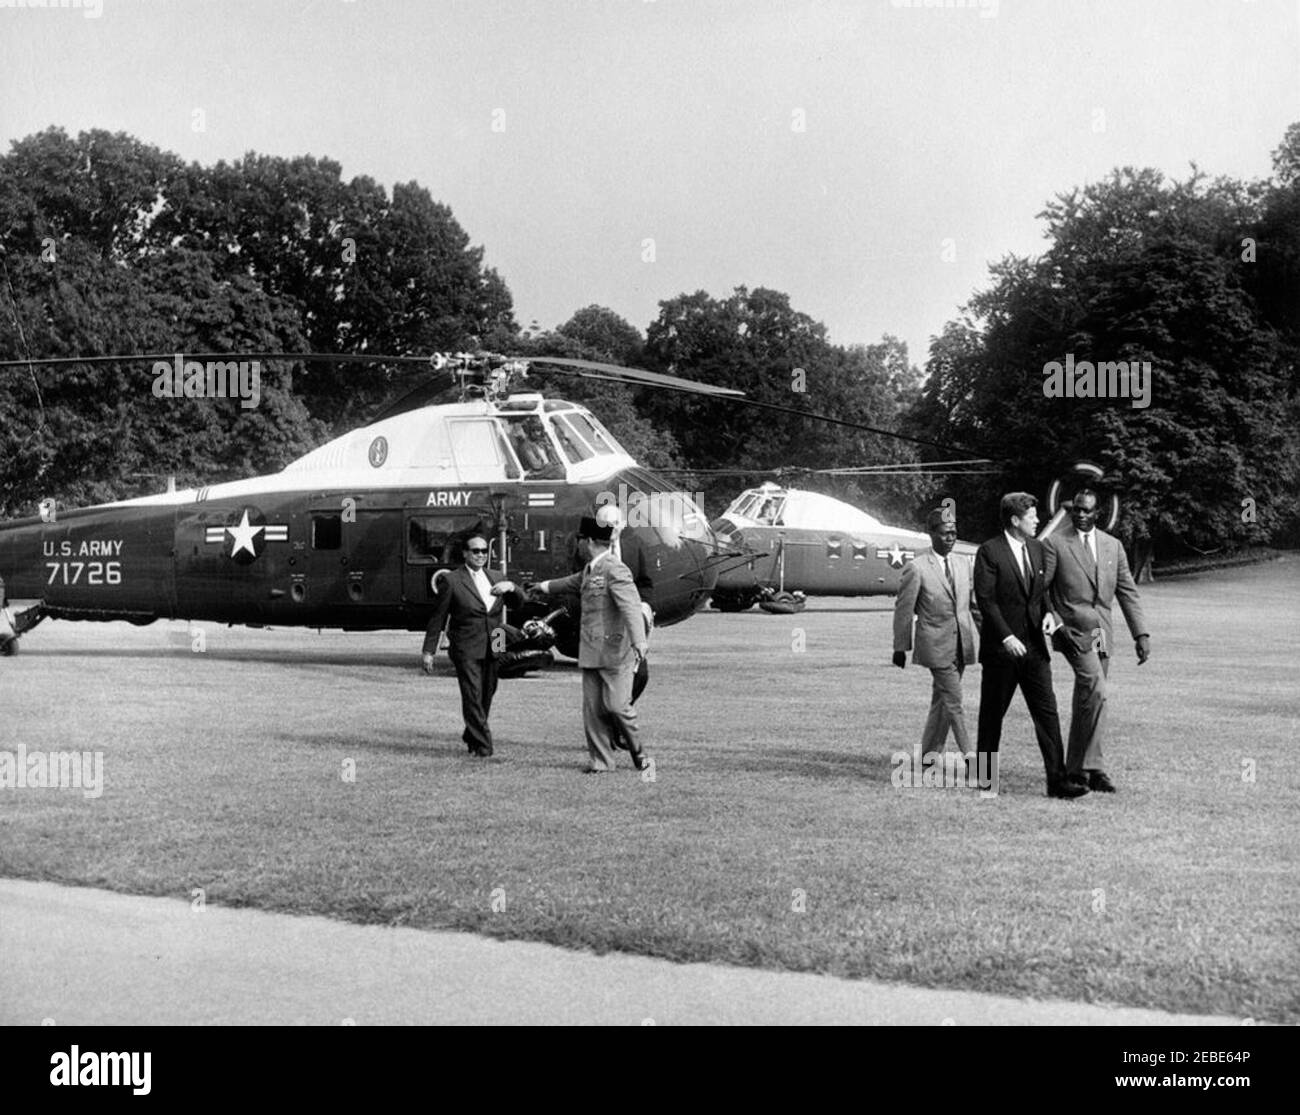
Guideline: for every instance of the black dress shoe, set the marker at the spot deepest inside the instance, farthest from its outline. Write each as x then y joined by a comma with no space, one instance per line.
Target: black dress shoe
641,760
1080,779
1064,788
1100,781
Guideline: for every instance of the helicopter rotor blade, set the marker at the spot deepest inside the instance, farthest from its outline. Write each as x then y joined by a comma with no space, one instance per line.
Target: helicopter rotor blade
639,376
143,357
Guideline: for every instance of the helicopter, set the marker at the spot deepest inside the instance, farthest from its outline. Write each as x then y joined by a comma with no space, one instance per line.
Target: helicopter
354,534
791,544
788,544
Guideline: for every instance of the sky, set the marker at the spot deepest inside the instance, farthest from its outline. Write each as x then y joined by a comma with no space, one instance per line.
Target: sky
869,159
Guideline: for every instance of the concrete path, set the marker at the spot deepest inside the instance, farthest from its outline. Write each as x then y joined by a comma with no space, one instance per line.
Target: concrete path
79,956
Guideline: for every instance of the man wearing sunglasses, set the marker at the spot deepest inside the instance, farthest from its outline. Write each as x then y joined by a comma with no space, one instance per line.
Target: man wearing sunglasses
469,602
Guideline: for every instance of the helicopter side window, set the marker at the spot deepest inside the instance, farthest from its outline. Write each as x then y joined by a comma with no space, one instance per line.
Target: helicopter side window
439,539
327,532
574,447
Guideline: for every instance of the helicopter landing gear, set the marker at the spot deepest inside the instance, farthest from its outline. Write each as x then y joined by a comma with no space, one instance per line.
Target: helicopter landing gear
735,600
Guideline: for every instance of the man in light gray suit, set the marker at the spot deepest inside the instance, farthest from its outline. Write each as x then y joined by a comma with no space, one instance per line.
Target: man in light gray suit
936,590
611,649
1086,571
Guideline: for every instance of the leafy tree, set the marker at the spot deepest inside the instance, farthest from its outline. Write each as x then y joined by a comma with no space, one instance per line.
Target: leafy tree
756,342
1138,270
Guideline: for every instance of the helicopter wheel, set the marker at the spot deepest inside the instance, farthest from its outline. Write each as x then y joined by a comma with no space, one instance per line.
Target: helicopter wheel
517,663
783,604
731,601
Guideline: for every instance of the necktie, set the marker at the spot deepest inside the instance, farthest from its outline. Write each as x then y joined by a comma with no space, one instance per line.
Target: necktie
1087,545
1024,565
947,572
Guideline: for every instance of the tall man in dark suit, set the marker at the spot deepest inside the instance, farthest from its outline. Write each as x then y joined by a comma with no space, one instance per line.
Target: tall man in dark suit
612,648
1086,571
1011,591
936,592
470,601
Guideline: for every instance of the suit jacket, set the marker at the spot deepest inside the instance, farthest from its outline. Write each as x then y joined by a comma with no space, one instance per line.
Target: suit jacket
612,620
470,623
1007,605
1082,594
942,615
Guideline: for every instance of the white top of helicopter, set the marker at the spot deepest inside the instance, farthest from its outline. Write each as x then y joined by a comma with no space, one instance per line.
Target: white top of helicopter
773,506
520,438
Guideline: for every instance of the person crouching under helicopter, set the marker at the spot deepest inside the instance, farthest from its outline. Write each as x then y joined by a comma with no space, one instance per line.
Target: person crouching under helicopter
612,647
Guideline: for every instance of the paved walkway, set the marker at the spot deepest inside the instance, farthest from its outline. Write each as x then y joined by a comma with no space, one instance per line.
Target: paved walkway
90,957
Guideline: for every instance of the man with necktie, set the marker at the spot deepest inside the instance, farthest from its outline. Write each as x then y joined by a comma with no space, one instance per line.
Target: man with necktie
612,647
1011,593
1086,571
935,591
470,601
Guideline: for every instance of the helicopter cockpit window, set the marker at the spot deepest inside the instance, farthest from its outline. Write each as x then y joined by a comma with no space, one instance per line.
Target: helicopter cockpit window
770,512
570,441
594,434
534,449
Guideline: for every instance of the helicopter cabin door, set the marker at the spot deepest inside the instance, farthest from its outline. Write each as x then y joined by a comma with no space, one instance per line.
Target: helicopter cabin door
352,572
433,543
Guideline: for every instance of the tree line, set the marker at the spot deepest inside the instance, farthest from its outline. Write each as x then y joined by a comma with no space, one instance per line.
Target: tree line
110,245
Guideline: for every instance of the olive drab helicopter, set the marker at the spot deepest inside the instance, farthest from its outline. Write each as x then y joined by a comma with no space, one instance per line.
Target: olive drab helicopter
354,534
797,543
789,544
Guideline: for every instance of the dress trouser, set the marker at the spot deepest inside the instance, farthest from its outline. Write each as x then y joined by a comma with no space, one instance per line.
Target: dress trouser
1087,710
607,714
945,711
1032,674
477,678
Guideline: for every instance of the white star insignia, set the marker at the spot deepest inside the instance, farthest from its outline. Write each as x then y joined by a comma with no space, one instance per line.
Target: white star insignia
896,555
243,534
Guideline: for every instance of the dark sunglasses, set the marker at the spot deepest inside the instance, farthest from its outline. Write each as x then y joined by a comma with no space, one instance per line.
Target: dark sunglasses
478,549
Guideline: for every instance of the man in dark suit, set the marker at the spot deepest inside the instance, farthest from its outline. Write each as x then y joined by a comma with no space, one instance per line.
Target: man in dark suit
1011,591
611,650
935,591
469,602
1086,571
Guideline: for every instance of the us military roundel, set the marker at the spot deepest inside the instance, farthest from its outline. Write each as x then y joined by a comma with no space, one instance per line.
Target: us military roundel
246,535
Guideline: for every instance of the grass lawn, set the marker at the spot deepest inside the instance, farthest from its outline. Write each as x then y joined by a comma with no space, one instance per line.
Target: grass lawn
772,835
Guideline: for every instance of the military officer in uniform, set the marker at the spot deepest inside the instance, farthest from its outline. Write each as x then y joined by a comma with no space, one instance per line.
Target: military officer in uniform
611,650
